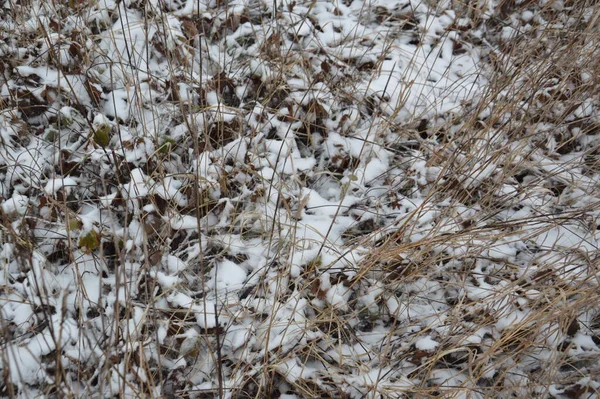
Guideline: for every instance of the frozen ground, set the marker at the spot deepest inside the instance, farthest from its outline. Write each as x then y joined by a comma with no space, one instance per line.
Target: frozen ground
300,199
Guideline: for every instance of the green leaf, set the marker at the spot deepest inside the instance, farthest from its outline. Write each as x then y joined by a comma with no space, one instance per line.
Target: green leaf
166,146
90,242
102,135
74,224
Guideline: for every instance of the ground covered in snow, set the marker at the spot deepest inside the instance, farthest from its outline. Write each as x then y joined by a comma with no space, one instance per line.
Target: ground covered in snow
300,199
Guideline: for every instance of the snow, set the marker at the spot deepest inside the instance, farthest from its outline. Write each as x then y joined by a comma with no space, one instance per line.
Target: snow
226,275
323,190
338,296
54,185
183,222
174,264
426,344
17,203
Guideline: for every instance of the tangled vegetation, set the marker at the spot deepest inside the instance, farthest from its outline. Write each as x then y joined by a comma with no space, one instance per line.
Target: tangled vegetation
300,199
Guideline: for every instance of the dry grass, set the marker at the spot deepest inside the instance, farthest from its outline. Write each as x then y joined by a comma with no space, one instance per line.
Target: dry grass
475,276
